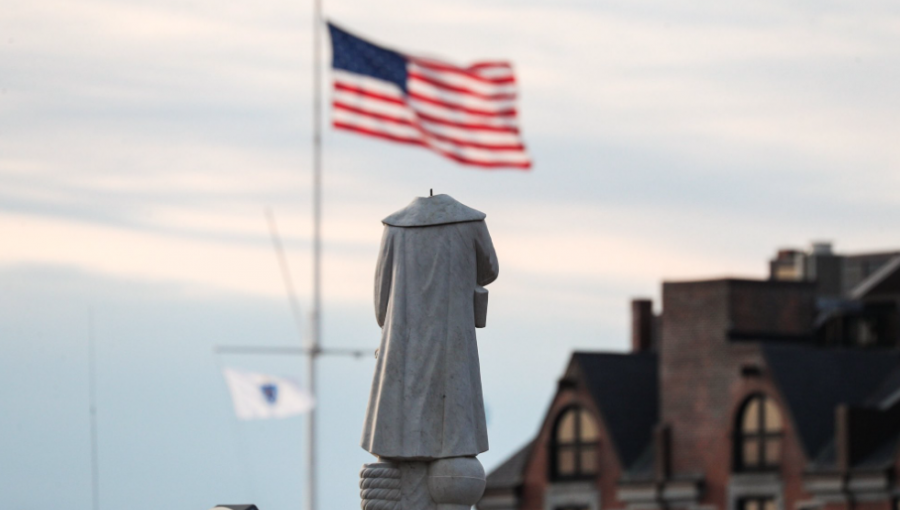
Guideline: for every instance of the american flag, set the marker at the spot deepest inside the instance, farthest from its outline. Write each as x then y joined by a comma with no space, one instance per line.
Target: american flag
467,114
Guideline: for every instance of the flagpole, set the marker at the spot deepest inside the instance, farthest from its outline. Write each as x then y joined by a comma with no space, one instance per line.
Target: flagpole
315,336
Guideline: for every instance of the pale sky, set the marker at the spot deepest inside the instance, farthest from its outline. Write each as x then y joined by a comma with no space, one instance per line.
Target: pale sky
140,143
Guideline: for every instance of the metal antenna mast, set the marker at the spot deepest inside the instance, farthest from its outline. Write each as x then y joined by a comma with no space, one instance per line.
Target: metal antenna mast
92,390
312,350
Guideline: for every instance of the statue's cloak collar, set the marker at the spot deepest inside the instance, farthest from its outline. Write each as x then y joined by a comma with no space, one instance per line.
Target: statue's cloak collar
436,210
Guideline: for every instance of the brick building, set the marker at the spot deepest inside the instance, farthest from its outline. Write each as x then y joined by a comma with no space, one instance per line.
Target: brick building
778,394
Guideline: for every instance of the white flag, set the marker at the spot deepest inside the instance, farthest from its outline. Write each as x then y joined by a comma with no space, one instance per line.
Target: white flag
259,396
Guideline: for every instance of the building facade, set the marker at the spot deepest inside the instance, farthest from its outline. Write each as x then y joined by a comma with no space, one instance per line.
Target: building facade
778,394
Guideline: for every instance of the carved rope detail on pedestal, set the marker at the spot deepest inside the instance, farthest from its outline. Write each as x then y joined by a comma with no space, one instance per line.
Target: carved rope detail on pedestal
379,484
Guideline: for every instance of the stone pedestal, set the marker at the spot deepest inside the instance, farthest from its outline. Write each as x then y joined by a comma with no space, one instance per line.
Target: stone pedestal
444,484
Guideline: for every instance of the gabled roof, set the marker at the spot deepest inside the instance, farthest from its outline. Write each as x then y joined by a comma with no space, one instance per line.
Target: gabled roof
814,381
509,474
625,388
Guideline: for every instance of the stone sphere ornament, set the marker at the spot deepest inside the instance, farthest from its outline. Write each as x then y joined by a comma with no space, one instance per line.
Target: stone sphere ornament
456,483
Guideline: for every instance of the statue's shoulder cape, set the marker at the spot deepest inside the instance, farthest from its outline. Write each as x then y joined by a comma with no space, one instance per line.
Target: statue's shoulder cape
436,210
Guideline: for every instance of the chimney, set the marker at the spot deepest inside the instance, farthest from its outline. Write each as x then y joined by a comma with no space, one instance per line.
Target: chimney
641,325
821,248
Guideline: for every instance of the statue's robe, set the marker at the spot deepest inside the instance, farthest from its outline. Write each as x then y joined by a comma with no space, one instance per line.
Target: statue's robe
426,400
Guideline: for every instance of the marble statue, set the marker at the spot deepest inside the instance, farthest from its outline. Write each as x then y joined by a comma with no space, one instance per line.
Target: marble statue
425,419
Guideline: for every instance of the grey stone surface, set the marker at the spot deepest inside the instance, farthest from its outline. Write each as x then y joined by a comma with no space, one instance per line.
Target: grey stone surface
414,486
481,306
379,486
426,401
457,483
430,211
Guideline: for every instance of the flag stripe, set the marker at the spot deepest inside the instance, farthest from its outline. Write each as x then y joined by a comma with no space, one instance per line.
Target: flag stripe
464,117
343,87
368,83
375,124
438,116
416,141
486,158
466,135
423,119
464,125
474,74
453,134
374,115
510,112
378,106
517,147
419,88
338,86
375,132
419,76
488,65
415,133
490,146
449,79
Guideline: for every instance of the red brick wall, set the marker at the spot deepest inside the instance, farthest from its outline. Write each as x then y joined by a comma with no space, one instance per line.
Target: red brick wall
701,382
785,308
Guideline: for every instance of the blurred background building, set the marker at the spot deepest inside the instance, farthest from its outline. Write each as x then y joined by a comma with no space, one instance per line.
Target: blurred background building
778,394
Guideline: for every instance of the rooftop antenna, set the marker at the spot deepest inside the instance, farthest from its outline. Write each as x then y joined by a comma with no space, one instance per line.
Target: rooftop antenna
92,391
285,273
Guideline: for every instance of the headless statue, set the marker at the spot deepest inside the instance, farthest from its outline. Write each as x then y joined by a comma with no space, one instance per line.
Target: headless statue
425,419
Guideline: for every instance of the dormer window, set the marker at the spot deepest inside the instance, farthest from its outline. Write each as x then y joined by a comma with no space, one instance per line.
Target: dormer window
758,435
574,445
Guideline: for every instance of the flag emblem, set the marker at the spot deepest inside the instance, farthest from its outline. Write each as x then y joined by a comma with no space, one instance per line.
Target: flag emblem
467,114
270,391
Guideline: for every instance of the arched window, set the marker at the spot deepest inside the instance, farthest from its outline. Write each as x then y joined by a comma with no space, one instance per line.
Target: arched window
758,435
574,445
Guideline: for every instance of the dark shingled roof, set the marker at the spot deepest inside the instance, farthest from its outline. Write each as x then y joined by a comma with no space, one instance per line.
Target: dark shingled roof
888,394
625,389
509,474
886,280
883,456
815,381
643,468
880,457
